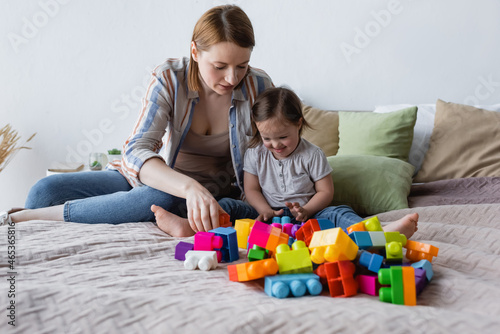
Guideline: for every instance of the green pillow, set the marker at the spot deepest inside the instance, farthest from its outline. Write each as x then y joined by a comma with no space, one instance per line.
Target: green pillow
370,184
366,133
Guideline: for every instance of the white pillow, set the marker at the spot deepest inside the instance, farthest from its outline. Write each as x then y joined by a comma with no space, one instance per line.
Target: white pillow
423,128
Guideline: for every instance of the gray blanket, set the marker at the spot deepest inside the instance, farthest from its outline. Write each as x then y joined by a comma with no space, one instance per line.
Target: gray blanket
77,278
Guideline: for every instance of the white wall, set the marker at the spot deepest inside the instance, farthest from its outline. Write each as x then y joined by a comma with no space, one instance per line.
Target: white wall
73,70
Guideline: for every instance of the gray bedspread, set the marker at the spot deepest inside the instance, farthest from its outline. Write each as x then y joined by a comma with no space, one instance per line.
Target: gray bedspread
474,190
76,278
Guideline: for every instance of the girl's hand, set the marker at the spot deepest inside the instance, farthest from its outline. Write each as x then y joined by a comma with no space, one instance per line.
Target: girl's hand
298,211
268,215
202,209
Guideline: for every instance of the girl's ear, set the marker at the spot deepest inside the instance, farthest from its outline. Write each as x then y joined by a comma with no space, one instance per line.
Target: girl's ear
301,121
194,51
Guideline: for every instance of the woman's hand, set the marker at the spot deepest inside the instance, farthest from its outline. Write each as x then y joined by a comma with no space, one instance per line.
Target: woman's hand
300,214
202,208
268,215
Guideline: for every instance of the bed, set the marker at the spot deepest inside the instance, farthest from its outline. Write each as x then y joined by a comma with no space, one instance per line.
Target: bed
78,278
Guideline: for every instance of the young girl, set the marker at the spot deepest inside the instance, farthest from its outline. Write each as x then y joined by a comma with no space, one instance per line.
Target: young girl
287,175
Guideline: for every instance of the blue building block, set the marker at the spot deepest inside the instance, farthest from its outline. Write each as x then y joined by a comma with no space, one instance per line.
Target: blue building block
362,239
229,248
424,264
371,261
325,224
296,285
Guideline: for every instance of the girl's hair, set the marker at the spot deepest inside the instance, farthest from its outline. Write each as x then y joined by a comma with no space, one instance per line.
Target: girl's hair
227,23
280,103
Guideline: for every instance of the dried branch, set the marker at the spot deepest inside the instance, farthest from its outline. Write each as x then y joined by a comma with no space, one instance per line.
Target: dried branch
8,141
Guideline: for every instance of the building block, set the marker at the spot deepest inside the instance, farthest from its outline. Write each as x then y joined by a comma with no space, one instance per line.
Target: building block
362,239
252,270
295,228
181,249
306,231
371,261
266,236
392,276
339,276
257,253
393,252
378,239
395,236
294,261
373,224
368,284
205,260
325,224
243,227
208,241
427,266
332,245
229,249
358,227
224,219
409,289
420,280
416,251
296,285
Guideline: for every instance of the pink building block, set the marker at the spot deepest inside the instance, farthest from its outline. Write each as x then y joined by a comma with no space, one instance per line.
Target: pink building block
207,241
368,284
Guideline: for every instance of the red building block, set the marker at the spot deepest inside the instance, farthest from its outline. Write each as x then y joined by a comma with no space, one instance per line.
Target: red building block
416,251
252,270
339,276
307,230
224,219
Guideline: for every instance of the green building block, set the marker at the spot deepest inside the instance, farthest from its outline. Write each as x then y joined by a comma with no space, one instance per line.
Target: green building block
392,276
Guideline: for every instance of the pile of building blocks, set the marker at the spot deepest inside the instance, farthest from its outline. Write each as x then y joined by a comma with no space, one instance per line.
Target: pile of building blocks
296,260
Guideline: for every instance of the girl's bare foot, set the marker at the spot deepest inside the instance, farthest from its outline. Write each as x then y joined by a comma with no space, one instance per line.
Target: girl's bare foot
406,225
170,223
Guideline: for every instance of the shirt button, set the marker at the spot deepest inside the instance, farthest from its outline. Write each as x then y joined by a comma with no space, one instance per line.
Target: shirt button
231,125
233,146
281,175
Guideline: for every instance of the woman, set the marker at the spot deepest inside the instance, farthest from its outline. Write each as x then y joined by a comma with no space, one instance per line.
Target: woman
187,146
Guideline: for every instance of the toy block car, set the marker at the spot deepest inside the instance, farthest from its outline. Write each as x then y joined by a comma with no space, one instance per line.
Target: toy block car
296,285
205,260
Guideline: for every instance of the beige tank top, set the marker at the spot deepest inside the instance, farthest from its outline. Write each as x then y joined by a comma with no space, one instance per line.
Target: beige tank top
207,159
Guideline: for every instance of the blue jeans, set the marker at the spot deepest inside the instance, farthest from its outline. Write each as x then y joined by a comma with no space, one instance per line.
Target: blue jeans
101,197
342,216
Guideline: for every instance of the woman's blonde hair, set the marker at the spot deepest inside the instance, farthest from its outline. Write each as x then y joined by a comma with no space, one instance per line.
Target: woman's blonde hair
227,23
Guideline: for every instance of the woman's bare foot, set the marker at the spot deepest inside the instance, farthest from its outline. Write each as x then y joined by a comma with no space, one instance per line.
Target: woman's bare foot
406,225
170,223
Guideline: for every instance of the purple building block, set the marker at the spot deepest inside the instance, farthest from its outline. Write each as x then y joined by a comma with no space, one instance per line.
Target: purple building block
181,249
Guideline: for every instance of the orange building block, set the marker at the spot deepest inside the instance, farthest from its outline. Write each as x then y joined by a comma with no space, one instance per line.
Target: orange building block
409,288
252,270
224,219
416,251
359,227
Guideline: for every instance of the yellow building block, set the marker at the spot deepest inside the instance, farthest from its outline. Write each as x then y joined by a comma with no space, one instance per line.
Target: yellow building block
295,261
332,245
243,227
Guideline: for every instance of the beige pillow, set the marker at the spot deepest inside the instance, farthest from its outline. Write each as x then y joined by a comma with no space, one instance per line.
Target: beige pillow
324,131
465,142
